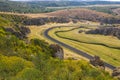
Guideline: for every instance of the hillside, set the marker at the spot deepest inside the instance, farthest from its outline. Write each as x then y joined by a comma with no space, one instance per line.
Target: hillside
22,7
78,12
23,59
65,16
117,11
13,24
105,8
72,15
44,6
11,19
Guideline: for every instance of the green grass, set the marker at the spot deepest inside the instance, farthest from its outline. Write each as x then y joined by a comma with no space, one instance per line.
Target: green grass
108,41
34,61
4,22
88,43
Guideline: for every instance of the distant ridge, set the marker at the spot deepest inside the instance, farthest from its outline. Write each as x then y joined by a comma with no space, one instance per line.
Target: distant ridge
41,6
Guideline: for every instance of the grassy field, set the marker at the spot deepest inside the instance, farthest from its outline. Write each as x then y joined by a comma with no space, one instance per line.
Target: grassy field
108,41
88,43
37,32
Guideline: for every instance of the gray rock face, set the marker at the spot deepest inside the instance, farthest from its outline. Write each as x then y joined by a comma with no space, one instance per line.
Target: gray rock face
111,31
58,51
116,73
96,61
21,33
42,21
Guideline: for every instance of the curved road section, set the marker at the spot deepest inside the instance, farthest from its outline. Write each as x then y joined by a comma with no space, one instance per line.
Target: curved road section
84,54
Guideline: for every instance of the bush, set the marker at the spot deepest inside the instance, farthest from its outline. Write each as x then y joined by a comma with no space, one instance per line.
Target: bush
10,66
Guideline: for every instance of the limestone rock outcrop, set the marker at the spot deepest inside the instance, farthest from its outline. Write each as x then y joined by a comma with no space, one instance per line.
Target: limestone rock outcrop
96,61
58,51
21,31
111,31
116,72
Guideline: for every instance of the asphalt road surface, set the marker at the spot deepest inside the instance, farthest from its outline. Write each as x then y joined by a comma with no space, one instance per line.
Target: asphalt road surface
84,54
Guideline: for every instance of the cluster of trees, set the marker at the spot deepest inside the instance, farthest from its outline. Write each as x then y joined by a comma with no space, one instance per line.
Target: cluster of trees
42,21
41,6
111,20
21,33
24,7
85,14
67,3
62,16
14,25
74,15
113,31
105,9
10,20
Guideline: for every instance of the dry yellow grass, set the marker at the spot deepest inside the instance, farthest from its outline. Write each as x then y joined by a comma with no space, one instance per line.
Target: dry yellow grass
31,15
81,12
37,32
109,55
36,15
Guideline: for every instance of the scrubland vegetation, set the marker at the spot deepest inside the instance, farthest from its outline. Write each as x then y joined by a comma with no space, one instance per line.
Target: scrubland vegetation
73,15
103,46
10,20
43,6
105,9
33,61
25,57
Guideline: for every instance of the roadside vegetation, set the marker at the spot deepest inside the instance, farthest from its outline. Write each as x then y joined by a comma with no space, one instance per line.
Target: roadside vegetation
106,47
25,53
23,59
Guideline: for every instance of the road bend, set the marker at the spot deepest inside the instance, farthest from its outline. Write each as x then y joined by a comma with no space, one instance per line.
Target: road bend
84,54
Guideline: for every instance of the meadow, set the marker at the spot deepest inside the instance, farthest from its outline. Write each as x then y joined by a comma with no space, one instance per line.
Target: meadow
26,53
106,47
37,32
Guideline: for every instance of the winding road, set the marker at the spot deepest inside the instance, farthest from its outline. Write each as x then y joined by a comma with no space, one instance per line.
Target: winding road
86,55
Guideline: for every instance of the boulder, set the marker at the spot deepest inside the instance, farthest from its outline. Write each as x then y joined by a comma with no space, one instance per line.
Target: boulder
96,61
58,51
116,72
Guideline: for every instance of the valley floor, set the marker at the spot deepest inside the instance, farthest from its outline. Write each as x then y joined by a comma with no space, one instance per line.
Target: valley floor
37,32
93,49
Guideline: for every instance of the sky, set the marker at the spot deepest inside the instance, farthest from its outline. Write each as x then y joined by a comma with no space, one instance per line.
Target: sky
66,0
